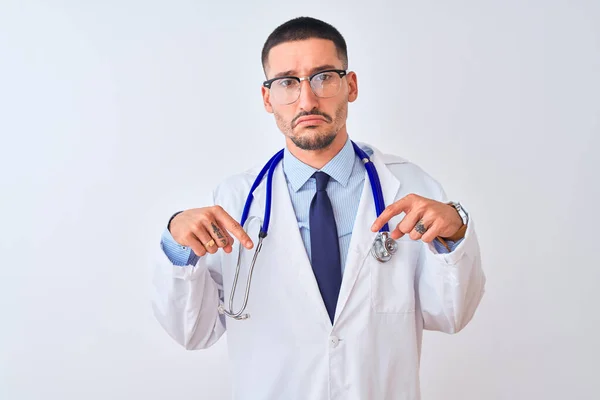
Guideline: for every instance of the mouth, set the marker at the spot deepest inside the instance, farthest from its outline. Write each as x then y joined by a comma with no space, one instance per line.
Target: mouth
310,120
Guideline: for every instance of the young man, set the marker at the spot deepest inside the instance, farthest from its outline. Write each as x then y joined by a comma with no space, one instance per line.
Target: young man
328,319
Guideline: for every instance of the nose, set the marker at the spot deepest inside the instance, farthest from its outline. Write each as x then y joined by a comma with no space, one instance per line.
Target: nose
307,100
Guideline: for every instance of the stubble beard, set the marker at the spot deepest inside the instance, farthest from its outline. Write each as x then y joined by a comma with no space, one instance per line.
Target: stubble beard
311,138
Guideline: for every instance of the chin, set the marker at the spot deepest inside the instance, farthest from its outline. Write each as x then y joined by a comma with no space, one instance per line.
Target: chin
310,139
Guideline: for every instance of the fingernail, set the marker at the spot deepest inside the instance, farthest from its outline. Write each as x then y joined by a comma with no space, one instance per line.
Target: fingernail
249,245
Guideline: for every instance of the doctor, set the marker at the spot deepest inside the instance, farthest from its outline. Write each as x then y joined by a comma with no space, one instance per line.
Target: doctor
327,319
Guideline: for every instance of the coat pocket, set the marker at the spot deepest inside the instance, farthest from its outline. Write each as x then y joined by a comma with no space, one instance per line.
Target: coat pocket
393,282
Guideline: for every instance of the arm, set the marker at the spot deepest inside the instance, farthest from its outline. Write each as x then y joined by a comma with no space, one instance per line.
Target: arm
187,292
450,285
185,300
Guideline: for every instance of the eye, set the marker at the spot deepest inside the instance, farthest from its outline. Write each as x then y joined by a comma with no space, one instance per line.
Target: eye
286,82
323,77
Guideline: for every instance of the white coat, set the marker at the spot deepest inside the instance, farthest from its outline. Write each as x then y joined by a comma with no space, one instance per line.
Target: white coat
288,348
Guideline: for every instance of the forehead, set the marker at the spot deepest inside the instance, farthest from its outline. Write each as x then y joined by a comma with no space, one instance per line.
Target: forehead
302,56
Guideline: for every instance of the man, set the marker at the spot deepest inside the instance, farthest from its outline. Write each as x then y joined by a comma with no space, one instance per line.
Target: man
327,319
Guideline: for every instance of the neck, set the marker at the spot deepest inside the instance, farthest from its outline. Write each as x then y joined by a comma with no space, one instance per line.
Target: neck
318,158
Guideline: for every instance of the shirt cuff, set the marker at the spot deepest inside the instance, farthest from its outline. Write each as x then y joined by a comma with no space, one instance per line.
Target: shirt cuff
441,249
178,255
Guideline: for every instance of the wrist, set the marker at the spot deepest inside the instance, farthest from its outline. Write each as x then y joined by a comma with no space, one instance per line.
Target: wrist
464,217
171,219
460,234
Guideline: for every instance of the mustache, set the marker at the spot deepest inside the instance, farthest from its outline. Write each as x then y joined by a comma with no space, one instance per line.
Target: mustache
313,112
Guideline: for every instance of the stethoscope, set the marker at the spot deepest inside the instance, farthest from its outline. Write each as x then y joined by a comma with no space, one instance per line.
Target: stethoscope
382,249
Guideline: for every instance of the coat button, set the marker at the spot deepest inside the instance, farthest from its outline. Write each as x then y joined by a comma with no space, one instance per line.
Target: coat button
333,341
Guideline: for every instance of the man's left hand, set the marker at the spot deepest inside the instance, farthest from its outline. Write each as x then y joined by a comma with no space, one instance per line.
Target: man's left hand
434,219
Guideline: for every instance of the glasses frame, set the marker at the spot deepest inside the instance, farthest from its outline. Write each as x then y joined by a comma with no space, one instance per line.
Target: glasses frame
341,72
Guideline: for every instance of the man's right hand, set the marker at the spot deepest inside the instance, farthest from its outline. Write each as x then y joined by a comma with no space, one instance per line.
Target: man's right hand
197,227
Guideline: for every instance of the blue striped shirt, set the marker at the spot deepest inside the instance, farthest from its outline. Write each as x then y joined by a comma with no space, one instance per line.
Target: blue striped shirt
344,190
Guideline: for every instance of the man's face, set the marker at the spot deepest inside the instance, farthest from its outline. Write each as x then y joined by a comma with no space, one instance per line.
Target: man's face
328,115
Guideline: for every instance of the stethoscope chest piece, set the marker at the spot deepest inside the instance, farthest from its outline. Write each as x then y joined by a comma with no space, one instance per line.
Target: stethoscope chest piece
383,247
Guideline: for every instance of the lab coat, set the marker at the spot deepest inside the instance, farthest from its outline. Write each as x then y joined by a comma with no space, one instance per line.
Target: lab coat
288,348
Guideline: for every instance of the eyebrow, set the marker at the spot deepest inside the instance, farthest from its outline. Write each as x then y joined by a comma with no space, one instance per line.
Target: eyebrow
312,71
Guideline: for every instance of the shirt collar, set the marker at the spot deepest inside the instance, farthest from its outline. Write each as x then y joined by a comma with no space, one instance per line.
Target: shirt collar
339,167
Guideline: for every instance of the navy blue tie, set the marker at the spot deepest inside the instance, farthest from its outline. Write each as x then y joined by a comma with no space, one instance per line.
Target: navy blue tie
325,249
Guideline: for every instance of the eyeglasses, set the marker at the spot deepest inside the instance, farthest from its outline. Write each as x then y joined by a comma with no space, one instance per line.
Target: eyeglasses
286,89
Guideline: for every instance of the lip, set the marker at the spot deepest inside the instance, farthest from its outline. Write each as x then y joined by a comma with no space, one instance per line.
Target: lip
310,120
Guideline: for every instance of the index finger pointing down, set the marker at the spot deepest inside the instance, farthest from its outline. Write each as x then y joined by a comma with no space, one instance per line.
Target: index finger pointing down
232,226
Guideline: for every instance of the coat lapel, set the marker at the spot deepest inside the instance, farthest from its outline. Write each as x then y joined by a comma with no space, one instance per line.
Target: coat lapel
362,237
292,256
283,230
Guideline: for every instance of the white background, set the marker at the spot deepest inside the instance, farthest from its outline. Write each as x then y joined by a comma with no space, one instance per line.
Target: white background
115,114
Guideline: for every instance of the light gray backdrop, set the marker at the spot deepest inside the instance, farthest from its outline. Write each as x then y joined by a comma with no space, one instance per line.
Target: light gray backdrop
114,114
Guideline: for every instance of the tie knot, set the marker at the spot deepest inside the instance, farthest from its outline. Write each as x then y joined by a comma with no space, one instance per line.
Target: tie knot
322,180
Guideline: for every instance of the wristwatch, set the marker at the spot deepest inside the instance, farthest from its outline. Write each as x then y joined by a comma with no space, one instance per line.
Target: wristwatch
463,214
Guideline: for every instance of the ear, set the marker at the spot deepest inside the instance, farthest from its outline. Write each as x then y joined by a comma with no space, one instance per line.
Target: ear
352,86
266,95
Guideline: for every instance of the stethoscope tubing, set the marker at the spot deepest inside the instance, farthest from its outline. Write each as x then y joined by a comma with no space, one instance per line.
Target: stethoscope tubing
269,169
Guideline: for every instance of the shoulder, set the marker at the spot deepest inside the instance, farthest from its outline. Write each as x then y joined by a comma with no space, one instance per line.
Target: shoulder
407,172
240,182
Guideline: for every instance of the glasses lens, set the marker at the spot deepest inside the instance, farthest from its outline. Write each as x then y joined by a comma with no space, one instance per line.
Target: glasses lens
285,90
326,84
